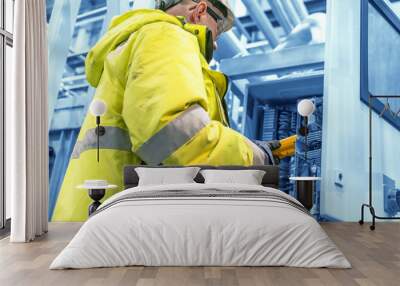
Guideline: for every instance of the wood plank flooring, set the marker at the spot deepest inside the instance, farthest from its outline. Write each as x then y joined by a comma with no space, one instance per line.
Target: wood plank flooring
375,257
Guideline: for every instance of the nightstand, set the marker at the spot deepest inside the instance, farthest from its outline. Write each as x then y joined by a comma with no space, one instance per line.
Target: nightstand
96,190
305,188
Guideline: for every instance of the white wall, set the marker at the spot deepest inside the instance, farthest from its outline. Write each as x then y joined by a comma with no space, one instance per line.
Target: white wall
345,126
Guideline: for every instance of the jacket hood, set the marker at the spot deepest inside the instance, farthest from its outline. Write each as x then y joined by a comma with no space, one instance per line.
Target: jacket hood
123,26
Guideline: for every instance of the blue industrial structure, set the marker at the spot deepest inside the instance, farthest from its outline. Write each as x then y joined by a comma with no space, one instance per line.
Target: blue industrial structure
274,57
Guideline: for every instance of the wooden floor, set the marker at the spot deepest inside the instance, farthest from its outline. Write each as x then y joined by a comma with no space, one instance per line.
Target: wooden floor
375,257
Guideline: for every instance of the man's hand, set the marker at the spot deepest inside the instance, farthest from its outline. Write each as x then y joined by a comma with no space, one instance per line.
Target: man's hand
274,144
268,147
278,149
287,147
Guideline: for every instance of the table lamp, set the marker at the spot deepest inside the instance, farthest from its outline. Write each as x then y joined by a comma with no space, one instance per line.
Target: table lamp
98,108
305,108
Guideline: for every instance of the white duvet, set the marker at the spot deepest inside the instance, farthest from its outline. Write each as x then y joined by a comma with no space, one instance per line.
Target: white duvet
202,231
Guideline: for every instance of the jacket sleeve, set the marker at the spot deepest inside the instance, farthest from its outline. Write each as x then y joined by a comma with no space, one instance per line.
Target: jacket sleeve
165,104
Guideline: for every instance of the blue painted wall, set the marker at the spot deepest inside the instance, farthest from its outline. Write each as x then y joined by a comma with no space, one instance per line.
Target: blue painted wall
345,125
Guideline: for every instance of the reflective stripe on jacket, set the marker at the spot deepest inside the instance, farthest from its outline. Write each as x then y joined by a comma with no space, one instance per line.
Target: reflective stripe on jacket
165,106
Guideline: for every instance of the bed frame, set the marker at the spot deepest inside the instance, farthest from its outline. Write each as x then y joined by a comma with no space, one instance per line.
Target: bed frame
270,179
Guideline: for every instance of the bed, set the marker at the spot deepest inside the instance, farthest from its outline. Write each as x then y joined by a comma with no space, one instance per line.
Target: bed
198,224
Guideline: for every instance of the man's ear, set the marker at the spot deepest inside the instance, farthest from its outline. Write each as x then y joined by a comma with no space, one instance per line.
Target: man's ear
199,11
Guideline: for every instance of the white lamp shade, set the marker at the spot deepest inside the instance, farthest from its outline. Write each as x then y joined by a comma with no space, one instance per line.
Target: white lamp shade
306,107
98,107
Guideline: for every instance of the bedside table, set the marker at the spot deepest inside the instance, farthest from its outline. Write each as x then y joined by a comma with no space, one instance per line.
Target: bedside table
96,190
305,188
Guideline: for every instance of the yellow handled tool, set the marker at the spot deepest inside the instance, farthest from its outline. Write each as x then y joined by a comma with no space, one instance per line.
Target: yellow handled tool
287,148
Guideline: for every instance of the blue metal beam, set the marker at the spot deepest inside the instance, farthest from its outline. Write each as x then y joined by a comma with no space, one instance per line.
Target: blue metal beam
288,90
242,29
101,11
300,8
72,102
69,113
262,21
286,60
61,29
312,6
291,12
281,16
229,47
239,87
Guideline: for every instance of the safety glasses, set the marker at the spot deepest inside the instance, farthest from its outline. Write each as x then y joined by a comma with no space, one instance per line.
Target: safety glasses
218,19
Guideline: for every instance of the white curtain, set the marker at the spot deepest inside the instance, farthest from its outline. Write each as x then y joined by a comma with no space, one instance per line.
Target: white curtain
26,119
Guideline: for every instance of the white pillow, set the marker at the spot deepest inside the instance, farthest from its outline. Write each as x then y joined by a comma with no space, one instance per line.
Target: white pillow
166,176
246,177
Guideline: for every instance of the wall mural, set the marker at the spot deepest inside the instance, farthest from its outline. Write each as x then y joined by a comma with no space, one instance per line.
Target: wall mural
118,87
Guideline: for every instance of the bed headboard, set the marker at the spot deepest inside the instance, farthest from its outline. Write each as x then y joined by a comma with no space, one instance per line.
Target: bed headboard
271,177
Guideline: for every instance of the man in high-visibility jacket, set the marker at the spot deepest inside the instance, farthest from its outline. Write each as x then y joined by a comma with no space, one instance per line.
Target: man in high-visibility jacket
164,104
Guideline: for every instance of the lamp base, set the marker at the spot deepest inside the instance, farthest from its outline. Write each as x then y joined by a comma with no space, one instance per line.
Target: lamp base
305,190
100,130
96,195
303,131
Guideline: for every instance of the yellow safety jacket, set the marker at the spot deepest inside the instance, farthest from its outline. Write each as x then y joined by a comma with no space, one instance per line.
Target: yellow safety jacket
165,106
